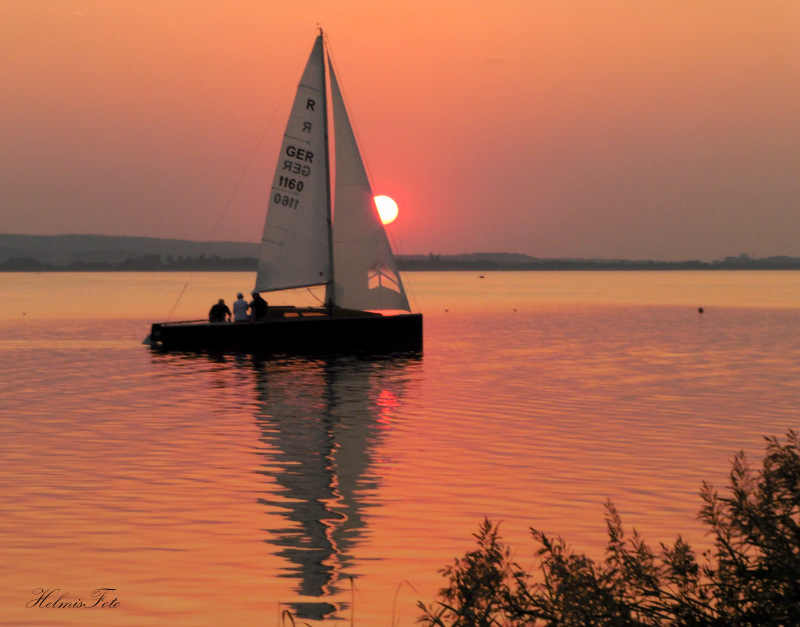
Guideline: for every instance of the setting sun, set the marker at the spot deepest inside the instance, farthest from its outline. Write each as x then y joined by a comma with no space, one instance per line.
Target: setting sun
387,208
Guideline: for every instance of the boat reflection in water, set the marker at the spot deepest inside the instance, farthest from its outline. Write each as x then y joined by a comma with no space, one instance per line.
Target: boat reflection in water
321,421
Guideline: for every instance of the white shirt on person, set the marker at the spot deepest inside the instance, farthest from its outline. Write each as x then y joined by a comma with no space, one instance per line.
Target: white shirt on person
240,310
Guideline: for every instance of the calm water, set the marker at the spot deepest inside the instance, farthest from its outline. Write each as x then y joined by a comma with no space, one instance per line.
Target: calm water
223,491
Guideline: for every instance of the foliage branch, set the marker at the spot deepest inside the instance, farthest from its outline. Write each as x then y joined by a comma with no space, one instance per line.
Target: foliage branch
750,576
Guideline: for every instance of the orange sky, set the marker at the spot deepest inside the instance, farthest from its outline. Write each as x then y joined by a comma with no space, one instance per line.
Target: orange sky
664,129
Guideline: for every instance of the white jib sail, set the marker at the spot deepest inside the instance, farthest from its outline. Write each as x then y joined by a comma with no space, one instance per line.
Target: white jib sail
366,275
294,246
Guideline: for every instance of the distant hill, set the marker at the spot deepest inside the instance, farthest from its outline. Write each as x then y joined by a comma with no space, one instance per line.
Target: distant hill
62,250
46,253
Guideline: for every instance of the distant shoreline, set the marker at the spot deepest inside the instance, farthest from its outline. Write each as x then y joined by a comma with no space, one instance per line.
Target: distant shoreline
565,265
104,253
154,263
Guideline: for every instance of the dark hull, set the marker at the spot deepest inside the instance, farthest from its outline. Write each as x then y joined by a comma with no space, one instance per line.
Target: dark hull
343,333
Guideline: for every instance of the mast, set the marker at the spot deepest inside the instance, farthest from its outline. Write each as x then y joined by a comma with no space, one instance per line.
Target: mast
330,287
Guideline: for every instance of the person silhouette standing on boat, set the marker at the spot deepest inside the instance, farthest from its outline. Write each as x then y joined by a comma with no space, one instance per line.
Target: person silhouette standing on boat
240,307
219,312
258,307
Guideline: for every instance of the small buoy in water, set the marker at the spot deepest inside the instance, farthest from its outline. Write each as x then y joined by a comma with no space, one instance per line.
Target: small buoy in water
481,277
699,310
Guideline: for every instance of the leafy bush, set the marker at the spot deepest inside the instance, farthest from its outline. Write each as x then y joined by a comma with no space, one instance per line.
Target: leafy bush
751,576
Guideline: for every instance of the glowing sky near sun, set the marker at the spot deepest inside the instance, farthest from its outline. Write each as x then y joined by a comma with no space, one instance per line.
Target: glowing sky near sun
664,129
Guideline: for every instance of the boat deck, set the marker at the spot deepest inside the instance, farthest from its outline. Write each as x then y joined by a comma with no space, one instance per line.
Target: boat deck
296,330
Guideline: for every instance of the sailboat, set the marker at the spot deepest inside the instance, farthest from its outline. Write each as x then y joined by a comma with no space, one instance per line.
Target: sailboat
316,234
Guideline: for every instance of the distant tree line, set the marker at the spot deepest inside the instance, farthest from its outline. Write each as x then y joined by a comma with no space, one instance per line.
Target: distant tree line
144,263
215,263
742,262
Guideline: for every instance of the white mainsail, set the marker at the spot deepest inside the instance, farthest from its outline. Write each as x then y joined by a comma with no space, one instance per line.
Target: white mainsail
294,247
366,275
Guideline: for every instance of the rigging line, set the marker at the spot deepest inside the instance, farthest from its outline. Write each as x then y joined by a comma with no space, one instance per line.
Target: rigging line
356,135
226,207
364,161
178,300
225,210
269,125
315,296
407,286
348,109
229,203
359,143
